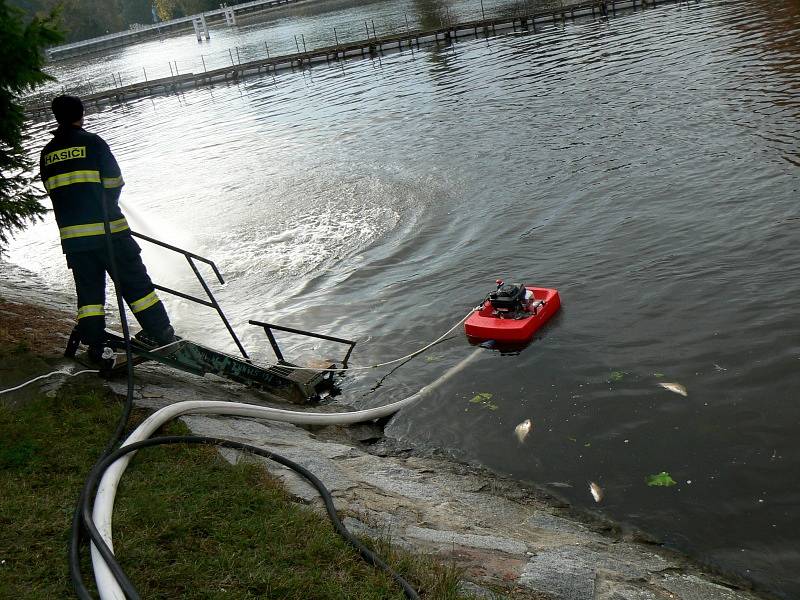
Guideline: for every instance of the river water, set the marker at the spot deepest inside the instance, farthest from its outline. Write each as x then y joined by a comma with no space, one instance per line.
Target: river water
647,166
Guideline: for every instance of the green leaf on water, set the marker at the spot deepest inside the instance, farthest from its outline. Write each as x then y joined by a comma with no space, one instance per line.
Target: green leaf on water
659,375
484,399
617,375
663,479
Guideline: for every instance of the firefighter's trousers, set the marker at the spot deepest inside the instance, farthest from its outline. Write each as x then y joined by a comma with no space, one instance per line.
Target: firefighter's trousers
89,269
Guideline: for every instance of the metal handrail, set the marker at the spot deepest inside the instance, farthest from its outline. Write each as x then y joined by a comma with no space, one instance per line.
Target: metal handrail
268,327
211,302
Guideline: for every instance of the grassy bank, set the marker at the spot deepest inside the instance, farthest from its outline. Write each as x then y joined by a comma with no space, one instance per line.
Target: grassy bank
187,524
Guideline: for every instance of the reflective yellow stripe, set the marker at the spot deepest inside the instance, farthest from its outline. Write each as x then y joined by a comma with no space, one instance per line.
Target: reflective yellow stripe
143,303
76,231
113,182
91,310
57,181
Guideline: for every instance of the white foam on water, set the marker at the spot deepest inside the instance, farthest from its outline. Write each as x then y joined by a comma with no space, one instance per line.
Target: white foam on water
309,226
165,266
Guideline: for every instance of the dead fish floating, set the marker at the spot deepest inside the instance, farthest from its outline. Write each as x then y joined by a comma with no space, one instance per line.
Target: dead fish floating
675,388
596,491
523,429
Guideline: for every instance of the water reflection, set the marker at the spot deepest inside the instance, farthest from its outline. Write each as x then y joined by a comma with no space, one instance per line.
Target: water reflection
776,51
431,14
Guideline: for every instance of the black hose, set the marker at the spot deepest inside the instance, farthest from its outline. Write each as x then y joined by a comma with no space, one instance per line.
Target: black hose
75,532
116,569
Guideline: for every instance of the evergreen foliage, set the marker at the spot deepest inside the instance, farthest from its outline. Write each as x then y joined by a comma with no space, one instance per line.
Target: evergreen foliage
20,71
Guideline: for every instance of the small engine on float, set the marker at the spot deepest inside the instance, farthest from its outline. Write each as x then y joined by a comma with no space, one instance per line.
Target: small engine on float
512,313
512,300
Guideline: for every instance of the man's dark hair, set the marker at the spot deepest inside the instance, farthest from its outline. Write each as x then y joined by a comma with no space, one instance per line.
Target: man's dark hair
67,109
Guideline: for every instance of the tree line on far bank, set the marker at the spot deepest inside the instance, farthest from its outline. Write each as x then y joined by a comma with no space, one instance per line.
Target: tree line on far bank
84,19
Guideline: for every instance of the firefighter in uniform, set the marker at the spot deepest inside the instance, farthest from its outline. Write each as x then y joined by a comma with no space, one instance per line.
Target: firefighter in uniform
80,174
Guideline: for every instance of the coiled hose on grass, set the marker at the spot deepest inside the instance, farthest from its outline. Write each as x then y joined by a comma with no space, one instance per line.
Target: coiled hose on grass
99,522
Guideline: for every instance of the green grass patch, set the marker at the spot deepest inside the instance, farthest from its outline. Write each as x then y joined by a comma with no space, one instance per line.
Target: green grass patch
187,523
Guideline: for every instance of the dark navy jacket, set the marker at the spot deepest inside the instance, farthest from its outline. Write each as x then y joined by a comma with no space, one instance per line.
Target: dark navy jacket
80,173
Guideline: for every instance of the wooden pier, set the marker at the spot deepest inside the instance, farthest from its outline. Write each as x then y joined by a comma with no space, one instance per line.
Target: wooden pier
364,48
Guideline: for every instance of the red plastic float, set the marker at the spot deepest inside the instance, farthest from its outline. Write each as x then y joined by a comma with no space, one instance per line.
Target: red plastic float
513,326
